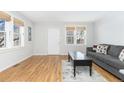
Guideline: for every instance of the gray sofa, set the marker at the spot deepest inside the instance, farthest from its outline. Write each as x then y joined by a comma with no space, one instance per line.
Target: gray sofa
109,62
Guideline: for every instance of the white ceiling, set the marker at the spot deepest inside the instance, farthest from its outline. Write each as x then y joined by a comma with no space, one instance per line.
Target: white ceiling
65,16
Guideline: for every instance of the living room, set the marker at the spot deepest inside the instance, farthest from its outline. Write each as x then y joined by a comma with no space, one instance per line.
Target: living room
42,41
61,46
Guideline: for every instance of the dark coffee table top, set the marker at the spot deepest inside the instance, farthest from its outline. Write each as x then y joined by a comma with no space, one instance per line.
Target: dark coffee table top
77,55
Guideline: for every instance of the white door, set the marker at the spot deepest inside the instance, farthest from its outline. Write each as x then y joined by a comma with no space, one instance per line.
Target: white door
53,41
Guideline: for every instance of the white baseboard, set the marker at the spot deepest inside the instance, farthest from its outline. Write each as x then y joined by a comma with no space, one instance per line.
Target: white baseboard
39,54
64,54
47,54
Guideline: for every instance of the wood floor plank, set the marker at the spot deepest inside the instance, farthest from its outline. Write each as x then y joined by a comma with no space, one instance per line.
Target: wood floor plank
41,69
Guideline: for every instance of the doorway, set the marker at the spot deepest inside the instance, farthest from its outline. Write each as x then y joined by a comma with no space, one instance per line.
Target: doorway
53,41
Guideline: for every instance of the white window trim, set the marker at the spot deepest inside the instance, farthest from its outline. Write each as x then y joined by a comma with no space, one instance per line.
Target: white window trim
75,44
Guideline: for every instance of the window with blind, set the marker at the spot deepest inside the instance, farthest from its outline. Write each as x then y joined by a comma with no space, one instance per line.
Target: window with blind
76,34
70,35
2,33
4,18
11,31
17,34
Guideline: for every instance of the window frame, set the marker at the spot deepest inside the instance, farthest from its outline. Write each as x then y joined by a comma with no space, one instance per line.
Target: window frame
9,36
21,37
75,42
18,34
5,34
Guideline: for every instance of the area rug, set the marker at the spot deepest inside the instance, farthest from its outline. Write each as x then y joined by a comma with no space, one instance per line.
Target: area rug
82,74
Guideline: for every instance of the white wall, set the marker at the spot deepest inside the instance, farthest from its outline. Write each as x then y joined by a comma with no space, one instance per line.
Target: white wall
110,29
9,57
40,40
40,37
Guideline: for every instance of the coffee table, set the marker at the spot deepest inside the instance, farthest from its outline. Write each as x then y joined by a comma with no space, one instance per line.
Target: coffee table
80,59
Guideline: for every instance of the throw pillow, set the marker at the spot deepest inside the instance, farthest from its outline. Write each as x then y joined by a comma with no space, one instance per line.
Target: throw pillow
102,49
105,49
121,56
99,49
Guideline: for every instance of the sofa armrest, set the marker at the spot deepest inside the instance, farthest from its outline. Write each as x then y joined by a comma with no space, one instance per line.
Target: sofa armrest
89,49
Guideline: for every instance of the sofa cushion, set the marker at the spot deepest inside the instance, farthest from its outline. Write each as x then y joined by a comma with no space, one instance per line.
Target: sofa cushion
95,55
112,61
115,50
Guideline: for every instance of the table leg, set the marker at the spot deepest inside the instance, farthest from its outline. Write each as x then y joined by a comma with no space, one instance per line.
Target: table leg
74,70
68,57
91,70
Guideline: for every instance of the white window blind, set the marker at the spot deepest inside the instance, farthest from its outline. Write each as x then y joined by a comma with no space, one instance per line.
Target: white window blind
76,34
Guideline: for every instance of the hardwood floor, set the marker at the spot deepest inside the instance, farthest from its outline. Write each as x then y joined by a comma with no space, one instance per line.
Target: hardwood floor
41,69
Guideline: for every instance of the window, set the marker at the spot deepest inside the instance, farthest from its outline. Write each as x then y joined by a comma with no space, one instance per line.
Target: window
16,36
2,34
5,19
18,32
11,31
76,34
70,35
80,34
29,34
